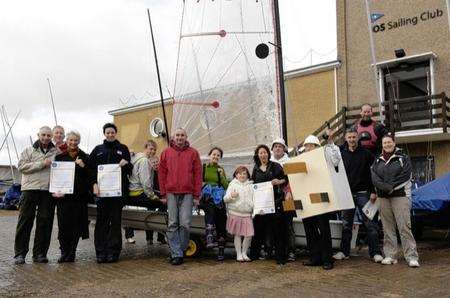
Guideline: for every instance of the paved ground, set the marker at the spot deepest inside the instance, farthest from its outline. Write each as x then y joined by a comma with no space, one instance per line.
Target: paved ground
142,274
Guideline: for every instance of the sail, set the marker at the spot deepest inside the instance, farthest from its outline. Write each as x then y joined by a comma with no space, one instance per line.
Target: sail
224,94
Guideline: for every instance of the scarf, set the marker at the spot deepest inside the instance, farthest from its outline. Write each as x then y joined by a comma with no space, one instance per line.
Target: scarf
73,153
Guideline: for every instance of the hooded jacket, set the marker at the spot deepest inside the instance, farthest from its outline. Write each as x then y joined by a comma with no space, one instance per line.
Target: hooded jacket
180,171
243,204
392,177
35,176
141,179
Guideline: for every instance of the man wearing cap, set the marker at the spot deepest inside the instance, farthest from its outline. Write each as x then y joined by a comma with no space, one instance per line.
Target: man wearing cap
370,131
279,150
36,201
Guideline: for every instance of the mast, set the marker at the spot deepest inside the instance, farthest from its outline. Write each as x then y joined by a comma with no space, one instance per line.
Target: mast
280,70
159,79
53,102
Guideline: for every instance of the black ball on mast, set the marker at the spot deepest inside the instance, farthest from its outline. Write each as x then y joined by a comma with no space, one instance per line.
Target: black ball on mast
262,51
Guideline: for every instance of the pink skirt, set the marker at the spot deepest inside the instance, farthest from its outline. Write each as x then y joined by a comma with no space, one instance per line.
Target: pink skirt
241,226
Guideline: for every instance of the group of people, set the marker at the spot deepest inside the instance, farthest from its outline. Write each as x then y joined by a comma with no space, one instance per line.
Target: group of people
177,180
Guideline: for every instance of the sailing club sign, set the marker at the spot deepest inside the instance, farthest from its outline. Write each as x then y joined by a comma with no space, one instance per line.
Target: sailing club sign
408,21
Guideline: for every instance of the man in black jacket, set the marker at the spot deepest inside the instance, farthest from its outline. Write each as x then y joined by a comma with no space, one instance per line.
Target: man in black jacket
357,162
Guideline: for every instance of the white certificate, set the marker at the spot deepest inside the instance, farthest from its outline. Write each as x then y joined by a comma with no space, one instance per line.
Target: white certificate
62,177
370,209
109,180
263,198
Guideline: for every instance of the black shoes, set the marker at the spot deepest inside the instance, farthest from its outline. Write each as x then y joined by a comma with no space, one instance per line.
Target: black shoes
328,266
40,259
177,261
19,260
101,259
310,263
112,259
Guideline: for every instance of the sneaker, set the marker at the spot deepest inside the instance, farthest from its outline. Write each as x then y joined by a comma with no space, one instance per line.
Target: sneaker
327,266
377,258
19,260
389,261
291,257
340,256
131,241
245,258
413,263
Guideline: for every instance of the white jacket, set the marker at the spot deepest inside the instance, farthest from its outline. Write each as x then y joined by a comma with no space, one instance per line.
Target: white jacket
35,176
242,205
285,158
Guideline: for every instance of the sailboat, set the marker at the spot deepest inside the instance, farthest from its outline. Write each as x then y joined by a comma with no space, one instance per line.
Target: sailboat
228,84
228,92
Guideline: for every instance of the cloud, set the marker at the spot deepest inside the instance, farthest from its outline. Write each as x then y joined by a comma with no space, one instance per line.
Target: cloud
98,52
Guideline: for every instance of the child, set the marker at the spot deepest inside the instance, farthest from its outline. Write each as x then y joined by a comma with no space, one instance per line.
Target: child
239,201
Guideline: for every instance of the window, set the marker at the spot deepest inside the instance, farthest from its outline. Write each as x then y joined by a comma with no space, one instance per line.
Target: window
157,127
409,77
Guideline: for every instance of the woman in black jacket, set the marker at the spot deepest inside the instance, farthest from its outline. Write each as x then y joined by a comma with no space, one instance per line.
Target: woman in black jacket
275,226
72,208
391,176
108,234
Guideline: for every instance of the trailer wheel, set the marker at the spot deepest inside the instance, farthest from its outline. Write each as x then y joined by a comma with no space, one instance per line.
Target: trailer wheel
194,247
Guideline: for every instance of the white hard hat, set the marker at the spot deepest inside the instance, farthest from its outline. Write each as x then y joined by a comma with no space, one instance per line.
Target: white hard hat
311,139
279,141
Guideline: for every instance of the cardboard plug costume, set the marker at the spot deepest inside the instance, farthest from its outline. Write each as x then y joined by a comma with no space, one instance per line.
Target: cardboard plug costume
318,186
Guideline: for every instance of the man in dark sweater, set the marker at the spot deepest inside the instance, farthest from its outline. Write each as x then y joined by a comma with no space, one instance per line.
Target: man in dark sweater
357,161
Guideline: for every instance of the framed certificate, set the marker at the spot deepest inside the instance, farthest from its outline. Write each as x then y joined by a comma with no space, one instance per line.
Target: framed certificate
62,177
109,180
263,198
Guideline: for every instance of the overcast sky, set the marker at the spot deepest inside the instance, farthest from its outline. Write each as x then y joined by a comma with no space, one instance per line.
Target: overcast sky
97,55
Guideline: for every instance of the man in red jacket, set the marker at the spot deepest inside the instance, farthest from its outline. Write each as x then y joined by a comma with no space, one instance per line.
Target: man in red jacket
180,182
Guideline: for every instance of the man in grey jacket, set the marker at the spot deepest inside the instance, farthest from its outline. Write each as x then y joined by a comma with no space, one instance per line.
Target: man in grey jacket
34,164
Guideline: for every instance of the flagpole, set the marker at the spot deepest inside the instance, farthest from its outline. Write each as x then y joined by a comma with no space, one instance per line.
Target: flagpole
374,61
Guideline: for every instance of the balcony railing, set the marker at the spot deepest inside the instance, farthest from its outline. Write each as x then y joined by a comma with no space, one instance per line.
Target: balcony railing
406,114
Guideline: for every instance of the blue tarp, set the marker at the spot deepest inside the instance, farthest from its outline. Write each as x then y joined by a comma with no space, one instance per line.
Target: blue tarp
433,196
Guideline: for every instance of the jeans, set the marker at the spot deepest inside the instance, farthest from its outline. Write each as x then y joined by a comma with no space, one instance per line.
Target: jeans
179,207
43,201
360,199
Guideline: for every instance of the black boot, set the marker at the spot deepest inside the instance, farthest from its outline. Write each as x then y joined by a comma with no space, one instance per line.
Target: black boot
221,254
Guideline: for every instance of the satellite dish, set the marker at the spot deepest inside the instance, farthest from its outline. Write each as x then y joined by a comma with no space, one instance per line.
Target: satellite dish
262,51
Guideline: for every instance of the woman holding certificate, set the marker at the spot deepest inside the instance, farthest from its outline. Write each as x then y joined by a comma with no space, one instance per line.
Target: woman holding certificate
72,208
110,167
273,223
